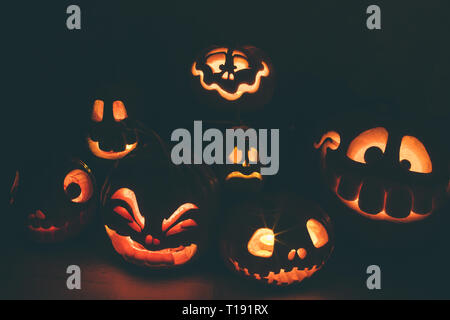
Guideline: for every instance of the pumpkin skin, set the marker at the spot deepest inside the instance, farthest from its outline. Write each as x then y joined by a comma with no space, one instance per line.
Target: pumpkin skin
55,198
276,239
155,214
239,76
383,172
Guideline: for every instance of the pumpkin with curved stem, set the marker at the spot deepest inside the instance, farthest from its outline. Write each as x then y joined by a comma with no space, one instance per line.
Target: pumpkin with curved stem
55,198
156,215
383,173
228,76
276,239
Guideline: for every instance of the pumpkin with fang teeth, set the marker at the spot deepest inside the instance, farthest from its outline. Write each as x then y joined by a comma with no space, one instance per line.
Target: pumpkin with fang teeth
276,239
233,76
55,198
155,214
383,172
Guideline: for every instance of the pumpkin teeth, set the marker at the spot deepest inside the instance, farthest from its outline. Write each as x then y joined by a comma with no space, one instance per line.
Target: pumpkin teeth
136,253
282,277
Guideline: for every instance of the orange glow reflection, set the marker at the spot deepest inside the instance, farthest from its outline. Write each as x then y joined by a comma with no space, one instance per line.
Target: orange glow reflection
109,155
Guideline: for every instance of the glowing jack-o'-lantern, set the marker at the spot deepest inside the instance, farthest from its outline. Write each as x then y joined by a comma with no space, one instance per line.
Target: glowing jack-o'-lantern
112,134
242,173
155,214
383,174
276,239
233,74
55,198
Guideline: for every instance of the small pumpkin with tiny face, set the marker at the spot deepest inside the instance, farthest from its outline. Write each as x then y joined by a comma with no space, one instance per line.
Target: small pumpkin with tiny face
54,197
233,76
276,239
155,214
384,171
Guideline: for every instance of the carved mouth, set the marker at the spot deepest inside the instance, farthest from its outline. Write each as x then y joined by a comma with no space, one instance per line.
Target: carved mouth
109,155
42,230
237,174
282,277
136,253
242,88
381,214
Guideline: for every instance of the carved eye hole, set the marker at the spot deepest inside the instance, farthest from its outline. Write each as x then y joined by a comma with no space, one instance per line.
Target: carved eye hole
317,233
240,63
78,186
97,111
253,155
215,60
235,156
368,146
119,111
261,243
414,155
169,226
135,220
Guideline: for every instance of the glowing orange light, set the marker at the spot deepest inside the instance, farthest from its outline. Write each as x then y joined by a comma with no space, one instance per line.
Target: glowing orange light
97,111
330,140
412,150
109,155
83,180
317,233
376,137
129,197
119,111
261,243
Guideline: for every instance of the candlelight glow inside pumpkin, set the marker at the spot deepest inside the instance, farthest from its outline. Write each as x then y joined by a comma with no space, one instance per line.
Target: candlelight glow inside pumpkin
112,135
294,247
380,177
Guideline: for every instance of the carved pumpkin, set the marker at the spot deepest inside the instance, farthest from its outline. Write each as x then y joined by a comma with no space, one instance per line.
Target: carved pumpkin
112,135
243,174
55,198
276,239
233,76
383,173
156,215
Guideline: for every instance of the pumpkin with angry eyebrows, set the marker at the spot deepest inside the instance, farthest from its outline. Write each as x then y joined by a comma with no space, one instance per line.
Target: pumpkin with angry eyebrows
155,214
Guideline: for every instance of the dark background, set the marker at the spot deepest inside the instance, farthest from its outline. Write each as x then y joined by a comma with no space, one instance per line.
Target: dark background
327,64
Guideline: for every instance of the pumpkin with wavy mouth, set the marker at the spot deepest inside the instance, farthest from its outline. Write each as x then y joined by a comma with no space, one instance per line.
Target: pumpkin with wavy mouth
233,75
156,214
276,239
383,173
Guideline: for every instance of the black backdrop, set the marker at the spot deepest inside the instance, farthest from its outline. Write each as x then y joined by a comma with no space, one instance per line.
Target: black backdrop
327,63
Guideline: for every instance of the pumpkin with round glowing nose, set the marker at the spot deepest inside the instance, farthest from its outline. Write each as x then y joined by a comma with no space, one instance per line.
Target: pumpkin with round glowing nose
277,239
239,76
55,197
383,172
155,214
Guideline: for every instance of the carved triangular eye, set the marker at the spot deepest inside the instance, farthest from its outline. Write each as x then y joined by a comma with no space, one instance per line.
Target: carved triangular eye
97,111
261,243
119,111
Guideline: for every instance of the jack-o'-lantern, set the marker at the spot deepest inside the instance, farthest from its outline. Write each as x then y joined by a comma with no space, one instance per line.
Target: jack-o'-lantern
383,172
156,214
54,197
276,239
242,172
240,76
112,135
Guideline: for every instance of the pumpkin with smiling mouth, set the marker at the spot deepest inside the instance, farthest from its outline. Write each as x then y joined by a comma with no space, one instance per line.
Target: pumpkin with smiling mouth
383,173
155,214
233,76
276,239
